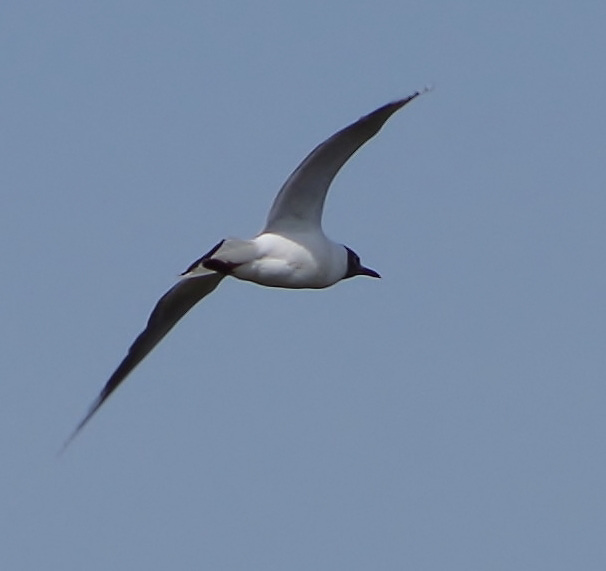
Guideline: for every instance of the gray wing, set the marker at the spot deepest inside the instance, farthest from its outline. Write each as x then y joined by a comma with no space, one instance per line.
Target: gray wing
173,305
301,198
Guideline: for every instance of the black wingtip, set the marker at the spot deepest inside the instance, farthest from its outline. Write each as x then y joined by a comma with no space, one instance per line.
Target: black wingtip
376,119
91,411
398,104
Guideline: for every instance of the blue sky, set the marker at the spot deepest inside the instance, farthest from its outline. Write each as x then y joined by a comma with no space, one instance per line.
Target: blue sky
449,416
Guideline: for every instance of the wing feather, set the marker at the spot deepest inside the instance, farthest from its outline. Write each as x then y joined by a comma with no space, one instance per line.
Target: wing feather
301,199
171,307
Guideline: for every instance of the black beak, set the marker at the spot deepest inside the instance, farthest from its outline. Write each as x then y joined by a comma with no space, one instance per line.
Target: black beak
368,272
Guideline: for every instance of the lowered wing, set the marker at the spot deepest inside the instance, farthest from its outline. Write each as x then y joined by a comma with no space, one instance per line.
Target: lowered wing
173,305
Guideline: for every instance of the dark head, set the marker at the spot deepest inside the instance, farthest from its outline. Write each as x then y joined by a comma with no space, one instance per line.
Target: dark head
355,268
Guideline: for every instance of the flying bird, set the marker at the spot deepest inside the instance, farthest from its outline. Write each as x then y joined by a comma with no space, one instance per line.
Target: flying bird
292,250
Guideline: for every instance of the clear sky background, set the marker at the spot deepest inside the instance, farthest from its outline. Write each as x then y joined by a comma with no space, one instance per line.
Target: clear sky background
449,416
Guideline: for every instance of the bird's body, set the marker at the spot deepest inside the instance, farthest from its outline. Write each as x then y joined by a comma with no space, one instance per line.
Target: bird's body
291,252
294,260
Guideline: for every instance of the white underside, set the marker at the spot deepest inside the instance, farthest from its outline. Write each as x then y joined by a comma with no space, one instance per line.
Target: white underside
306,260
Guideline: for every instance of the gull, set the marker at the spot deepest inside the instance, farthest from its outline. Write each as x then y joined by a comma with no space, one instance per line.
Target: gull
292,250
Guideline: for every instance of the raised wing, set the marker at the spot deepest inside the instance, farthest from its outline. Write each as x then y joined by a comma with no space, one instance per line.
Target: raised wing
173,305
300,201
